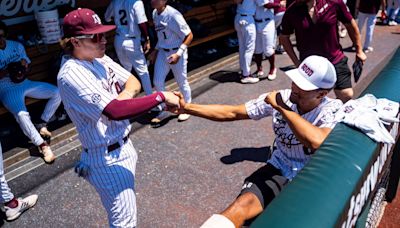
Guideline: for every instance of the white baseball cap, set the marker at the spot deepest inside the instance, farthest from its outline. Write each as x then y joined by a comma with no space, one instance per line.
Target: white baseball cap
315,72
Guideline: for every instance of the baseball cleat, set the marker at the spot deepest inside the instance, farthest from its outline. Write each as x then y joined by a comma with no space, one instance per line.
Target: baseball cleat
48,155
249,80
368,49
183,117
160,117
272,75
23,205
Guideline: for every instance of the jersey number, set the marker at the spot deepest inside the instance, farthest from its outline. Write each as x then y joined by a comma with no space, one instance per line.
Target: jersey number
165,35
122,15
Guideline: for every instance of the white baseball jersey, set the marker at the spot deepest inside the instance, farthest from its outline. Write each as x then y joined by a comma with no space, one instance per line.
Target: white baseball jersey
290,155
262,12
12,95
171,28
128,14
14,52
247,7
86,88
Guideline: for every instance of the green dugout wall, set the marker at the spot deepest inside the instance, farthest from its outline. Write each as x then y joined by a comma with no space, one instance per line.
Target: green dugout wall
336,186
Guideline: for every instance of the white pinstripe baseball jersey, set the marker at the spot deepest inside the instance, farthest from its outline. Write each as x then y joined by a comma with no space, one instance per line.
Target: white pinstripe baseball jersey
262,12
86,88
247,7
171,28
290,155
128,14
13,52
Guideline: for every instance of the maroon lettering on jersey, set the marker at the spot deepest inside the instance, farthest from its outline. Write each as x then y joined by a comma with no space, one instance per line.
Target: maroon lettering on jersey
118,88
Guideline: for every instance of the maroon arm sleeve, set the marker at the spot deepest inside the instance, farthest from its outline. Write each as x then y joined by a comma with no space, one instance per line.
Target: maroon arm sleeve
125,109
272,5
143,29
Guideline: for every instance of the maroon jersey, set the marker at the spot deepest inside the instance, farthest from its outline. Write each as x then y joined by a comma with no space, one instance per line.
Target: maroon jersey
319,38
369,6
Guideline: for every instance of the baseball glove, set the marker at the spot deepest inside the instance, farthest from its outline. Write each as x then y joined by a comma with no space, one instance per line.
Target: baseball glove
16,71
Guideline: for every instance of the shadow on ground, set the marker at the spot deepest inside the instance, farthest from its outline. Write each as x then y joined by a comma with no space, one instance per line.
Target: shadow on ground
247,154
225,76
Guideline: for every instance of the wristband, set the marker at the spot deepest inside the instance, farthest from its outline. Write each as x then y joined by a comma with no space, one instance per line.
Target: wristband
182,49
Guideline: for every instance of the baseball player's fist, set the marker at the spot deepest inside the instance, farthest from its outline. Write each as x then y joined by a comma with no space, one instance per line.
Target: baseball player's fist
361,56
173,59
146,47
274,99
171,100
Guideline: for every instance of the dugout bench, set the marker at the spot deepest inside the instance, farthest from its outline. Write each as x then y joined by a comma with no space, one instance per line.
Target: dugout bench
336,186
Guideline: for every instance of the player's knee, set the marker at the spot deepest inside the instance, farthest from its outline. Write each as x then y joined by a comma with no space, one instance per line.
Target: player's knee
22,116
269,51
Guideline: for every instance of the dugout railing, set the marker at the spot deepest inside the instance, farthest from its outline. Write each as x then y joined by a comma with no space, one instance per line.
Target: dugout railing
338,185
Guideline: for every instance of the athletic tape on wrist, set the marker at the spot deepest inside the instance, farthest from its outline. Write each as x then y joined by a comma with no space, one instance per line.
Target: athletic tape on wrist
182,49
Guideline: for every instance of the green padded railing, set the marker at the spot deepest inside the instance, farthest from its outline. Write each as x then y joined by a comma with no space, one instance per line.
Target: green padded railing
320,196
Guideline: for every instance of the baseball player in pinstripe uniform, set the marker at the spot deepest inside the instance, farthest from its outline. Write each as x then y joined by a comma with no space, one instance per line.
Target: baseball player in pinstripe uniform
302,117
13,94
265,39
98,96
174,37
131,21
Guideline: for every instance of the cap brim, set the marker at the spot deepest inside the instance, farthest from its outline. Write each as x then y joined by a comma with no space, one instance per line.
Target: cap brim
300,80
100,29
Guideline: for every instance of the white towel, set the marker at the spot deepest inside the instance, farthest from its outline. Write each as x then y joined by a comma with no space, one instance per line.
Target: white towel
370,115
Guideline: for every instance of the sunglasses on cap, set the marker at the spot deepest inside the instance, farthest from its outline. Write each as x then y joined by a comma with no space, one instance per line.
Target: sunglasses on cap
94,37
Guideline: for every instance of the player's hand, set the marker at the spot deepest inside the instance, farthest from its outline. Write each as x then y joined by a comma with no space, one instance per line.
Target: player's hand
282,3
173,59
146,47
237,1
152,56
182,103
171,100
274,98
361,56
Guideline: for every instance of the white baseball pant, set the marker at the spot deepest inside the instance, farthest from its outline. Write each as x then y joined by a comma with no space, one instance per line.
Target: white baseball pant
130,54
112,174
246,32
265,40
162,68
371,20
6,194
12,95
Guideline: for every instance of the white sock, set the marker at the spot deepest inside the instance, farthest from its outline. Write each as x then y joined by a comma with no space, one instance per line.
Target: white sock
218,221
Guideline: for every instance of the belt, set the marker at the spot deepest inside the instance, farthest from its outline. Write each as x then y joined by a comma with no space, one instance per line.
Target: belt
171,49
261,20
244,15
114,146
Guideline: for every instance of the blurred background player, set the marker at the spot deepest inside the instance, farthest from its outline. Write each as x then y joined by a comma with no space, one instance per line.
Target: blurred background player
12,95
174,37
131,21
367,11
